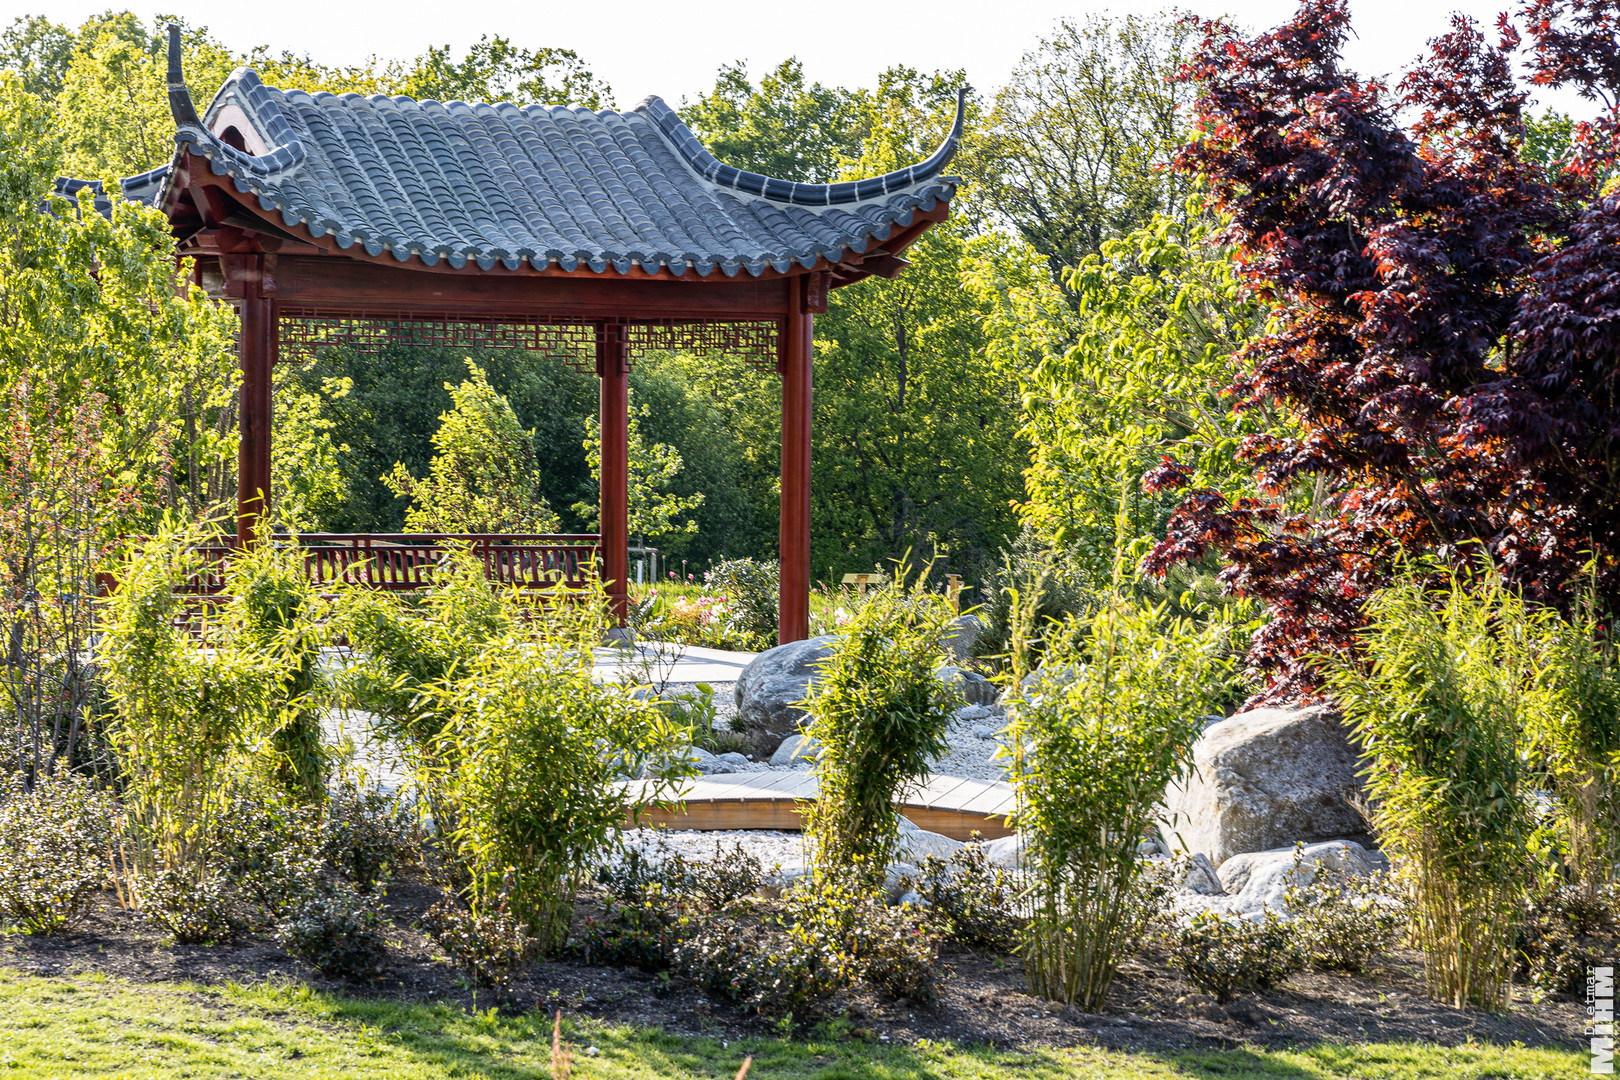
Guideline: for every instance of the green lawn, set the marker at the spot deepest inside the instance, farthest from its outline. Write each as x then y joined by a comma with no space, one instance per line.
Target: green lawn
95,1026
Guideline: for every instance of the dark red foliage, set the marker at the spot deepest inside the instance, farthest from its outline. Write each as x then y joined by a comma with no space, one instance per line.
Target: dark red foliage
1447,328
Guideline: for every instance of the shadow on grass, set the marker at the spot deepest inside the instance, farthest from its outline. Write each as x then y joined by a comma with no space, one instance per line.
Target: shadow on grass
505,1048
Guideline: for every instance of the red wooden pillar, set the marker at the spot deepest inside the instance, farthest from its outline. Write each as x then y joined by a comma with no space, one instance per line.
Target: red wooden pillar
793,611
249,277
613,367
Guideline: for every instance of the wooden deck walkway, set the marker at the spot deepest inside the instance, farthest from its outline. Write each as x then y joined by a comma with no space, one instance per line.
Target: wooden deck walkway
773,800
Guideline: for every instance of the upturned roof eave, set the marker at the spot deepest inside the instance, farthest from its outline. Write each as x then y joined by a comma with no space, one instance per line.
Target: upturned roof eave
869,212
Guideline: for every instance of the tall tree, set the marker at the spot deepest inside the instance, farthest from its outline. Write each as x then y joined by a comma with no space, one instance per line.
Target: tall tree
39,51
482,478
1446,329
915,426
653,511
782,127
1079,138
114,104
92,309
494,69
1160,317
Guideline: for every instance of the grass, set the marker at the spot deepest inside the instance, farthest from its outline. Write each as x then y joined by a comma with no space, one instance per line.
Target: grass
94,1026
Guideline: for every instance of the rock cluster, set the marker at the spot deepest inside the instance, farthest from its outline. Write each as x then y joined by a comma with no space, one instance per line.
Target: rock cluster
1262,783
1263,780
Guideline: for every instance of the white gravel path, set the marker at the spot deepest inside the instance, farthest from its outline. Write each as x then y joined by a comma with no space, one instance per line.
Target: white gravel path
771,847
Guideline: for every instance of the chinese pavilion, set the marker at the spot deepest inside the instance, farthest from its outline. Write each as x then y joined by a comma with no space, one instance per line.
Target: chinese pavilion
588,236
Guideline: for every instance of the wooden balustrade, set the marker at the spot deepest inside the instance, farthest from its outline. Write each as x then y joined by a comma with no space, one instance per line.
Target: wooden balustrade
402,562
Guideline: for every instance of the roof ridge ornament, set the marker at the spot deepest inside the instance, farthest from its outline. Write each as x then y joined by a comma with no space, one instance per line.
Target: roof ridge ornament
706,165
180,104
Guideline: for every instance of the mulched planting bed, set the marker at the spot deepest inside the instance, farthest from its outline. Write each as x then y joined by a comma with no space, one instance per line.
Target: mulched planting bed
1150,1008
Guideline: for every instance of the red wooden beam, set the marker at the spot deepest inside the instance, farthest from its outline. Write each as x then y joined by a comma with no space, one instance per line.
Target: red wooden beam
613,367
793,601
252,282
367,289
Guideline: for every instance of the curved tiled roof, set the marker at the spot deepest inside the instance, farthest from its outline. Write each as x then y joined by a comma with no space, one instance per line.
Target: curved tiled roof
539,185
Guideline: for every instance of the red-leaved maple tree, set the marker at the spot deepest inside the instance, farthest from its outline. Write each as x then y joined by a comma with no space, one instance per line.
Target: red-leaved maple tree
1447,322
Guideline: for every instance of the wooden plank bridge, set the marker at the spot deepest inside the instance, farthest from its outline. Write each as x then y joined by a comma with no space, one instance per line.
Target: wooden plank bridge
951,805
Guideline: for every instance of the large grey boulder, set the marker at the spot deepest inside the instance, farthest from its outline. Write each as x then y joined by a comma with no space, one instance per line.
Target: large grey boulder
771,683
1262,780
916,844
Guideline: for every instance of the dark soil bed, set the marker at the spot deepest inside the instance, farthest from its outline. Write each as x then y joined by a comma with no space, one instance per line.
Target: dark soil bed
985,999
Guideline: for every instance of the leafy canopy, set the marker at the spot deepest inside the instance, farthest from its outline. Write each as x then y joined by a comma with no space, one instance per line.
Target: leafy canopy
482,478
1445,331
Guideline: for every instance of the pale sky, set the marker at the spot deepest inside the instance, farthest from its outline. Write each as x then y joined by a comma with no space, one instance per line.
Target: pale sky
674,48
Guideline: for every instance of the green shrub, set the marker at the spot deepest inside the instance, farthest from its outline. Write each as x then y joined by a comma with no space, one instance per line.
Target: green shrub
1572,721
403,646
758,966
270,851
279,855
1226,956
895,949
338,930
1436,708
1097,735
368,836
527,761
489,946
276,613
186,722
193,903
1343,920
1554,950
978,902
652,903
880,716
53,850
1051,581
751,592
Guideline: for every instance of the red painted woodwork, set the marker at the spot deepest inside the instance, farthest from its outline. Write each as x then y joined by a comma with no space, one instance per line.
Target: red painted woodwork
268,264
256,348
366,289
403,562
793,611
613,368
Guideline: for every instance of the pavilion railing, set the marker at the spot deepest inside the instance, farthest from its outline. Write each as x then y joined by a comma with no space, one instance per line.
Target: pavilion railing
403,562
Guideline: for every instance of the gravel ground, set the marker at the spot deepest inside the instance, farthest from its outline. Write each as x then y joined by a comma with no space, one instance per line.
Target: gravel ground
970,756
770,846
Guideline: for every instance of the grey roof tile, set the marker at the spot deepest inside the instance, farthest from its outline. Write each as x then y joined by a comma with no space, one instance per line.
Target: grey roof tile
508,185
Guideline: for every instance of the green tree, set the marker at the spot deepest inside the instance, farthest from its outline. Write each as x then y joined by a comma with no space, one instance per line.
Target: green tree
723,419
782,127
392,408
305,464
1160,315
1080,135
482,478
90,306
653,508
114,105
494,69
39,51
913,419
